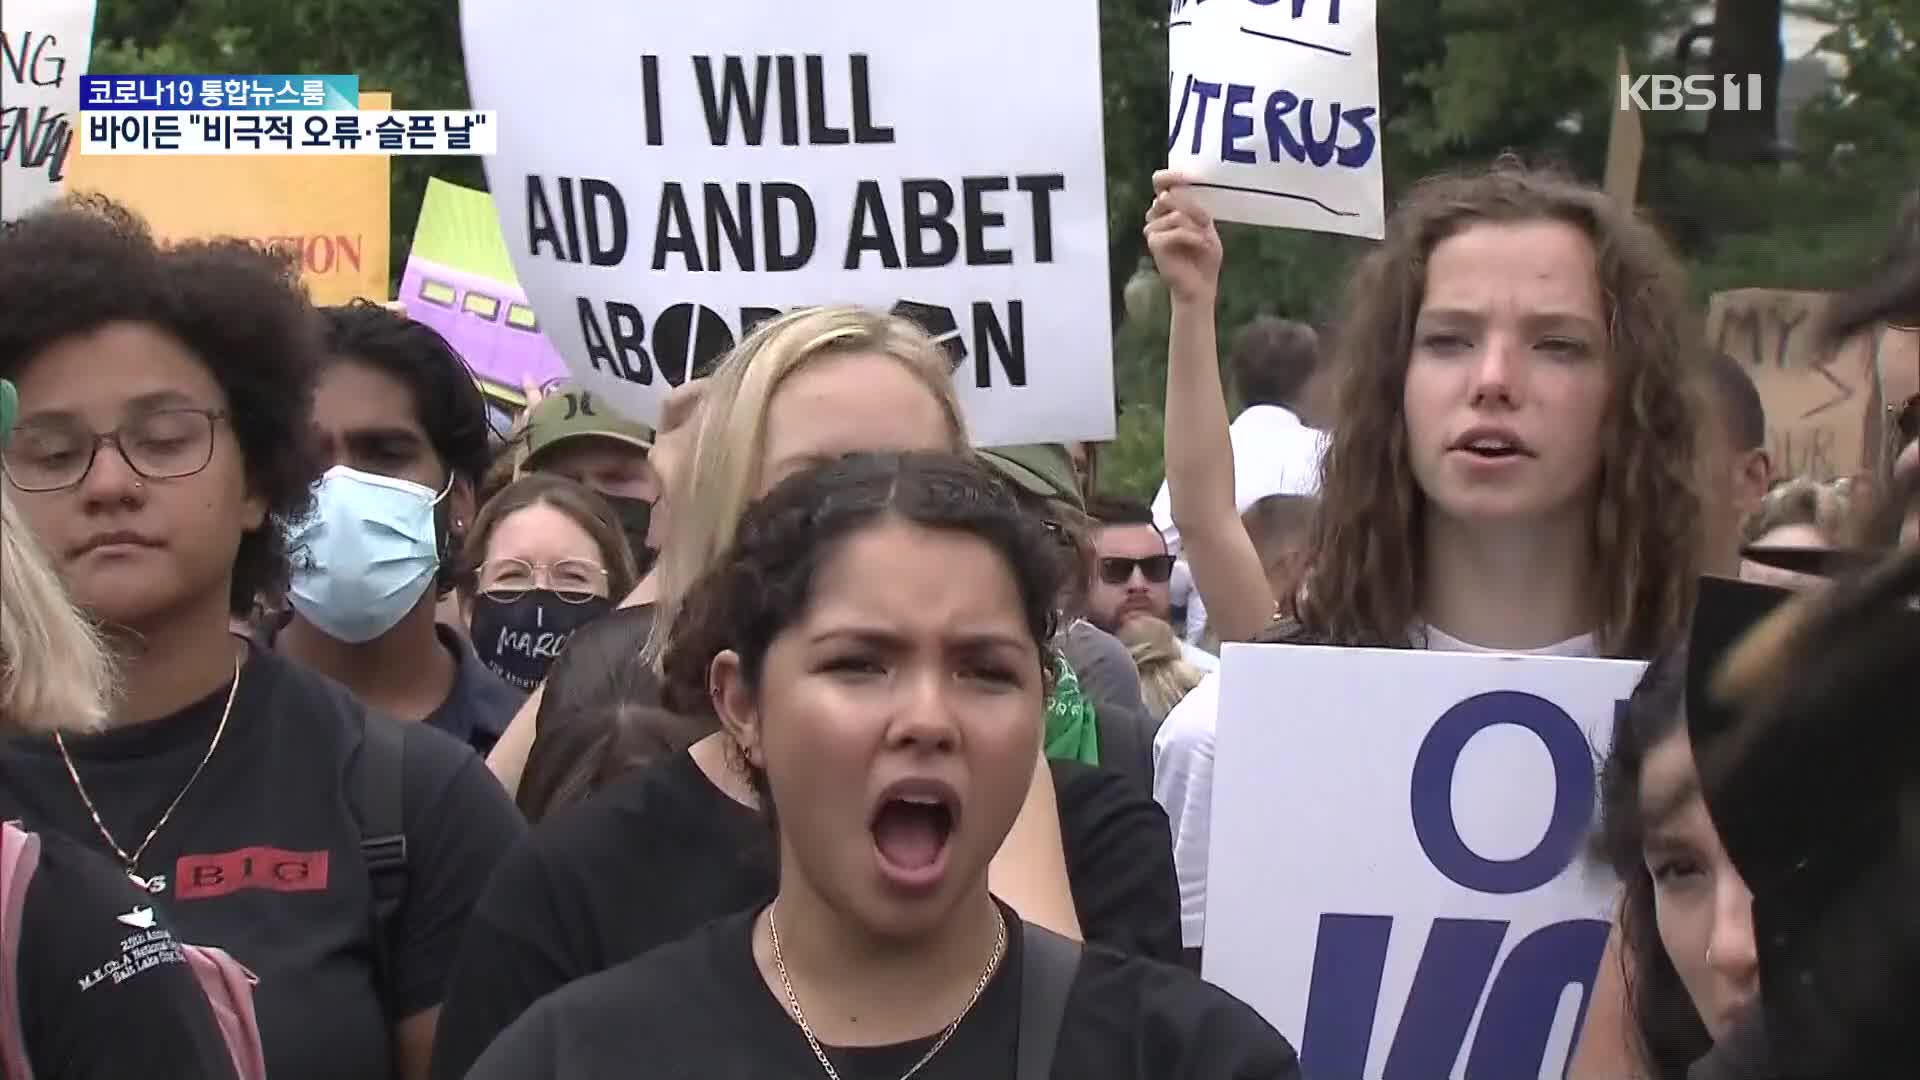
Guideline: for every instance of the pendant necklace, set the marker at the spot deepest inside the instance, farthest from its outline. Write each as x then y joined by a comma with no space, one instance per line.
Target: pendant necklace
131,861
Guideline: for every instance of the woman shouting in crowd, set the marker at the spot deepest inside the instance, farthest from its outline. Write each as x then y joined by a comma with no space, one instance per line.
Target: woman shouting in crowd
334,852
875,643
584,892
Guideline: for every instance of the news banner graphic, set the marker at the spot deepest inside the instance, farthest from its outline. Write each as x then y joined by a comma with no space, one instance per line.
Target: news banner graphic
265,114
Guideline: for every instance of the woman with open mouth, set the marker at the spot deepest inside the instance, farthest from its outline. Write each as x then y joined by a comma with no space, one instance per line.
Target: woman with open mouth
874,642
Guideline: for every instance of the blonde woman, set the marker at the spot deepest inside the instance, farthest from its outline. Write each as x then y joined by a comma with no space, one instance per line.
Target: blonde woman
809,386
1165,674
78,909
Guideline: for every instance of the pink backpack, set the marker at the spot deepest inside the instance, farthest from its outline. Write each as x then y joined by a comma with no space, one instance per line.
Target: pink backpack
228,985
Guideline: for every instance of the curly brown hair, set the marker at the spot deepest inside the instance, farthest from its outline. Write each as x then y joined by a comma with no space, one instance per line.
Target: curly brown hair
1365,583
84,262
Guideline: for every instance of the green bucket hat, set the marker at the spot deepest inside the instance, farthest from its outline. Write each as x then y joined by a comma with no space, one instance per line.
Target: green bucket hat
1043,469
569,414
9,408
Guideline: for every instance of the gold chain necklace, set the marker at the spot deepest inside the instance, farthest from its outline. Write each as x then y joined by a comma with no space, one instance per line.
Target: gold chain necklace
793,1002
132,861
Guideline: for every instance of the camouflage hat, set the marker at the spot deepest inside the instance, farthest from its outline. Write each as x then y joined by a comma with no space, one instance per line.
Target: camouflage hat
1043,469
569,414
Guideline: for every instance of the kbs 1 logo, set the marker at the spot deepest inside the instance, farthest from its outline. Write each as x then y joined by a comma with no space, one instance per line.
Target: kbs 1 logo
1691,93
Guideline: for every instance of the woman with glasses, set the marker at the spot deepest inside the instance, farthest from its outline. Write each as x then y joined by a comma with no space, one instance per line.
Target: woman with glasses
545,556
58,922
262,808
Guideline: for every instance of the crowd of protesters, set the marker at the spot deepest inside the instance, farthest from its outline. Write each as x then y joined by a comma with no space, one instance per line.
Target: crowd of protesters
794,735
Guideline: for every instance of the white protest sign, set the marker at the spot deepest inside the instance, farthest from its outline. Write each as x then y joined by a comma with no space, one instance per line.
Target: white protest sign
666,182
1395,877
1275,111
44,45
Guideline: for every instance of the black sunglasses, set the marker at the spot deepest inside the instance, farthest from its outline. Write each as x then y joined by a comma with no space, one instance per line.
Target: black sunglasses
1117,571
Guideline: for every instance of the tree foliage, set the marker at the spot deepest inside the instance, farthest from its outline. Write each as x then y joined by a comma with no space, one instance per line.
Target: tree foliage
408,47
1461,81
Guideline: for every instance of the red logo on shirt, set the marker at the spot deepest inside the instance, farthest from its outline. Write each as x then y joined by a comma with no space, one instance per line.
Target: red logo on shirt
204,877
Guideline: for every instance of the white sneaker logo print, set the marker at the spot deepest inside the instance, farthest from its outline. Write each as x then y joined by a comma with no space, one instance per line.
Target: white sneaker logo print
140,918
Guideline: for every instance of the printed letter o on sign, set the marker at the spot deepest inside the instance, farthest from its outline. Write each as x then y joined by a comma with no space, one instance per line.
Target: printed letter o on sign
1573,792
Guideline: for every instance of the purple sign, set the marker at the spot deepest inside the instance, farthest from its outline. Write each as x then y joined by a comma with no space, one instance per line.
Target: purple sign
488,321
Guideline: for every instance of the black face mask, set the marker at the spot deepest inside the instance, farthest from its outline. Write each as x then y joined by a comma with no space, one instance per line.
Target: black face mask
636,516
519,638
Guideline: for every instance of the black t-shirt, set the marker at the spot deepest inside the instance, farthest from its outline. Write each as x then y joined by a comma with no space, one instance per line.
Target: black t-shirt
662,851
478,708
262,856
481,704
699,1010
104,991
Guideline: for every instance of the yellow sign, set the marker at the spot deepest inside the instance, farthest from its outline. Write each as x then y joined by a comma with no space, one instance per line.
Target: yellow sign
331,211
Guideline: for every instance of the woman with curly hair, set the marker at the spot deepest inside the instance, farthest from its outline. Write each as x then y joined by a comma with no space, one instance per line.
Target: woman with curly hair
59,921
161,390
875,639
1512,465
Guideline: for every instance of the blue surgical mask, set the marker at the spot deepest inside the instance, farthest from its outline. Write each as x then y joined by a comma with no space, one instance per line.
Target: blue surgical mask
369,553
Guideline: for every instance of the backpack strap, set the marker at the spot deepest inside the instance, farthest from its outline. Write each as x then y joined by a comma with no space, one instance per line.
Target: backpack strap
19,857
383,838
1048,965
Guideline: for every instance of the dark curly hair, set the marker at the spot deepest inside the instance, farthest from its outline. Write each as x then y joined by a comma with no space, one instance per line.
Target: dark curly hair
1366,543
451,407
1667,1029
764,582
85,262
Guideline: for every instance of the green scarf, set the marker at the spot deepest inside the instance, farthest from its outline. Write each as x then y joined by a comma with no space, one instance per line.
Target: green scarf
1073,733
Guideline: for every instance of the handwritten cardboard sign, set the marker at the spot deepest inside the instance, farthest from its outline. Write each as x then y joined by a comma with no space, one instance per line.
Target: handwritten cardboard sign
1823,405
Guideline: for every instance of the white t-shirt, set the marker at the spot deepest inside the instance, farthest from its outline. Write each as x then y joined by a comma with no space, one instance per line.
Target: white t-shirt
1183,773
1199,657
1273,454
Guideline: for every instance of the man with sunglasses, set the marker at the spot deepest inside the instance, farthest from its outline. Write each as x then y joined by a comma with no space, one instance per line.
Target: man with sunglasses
1132,567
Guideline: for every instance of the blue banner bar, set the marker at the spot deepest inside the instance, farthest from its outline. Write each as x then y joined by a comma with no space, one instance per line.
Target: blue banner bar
218,93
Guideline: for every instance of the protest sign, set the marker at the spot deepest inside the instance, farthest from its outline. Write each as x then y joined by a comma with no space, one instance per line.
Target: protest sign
1626,141
1274,112
1822,403
330,211
459,280
771,155
1395,878
44,45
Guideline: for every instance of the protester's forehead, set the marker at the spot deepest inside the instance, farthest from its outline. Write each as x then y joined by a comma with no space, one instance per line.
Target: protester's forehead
1669,781
903,577
352,394
1546,268
112,370
1129,539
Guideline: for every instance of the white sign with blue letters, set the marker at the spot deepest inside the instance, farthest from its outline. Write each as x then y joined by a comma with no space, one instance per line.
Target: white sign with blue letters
1397,878
1274,113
